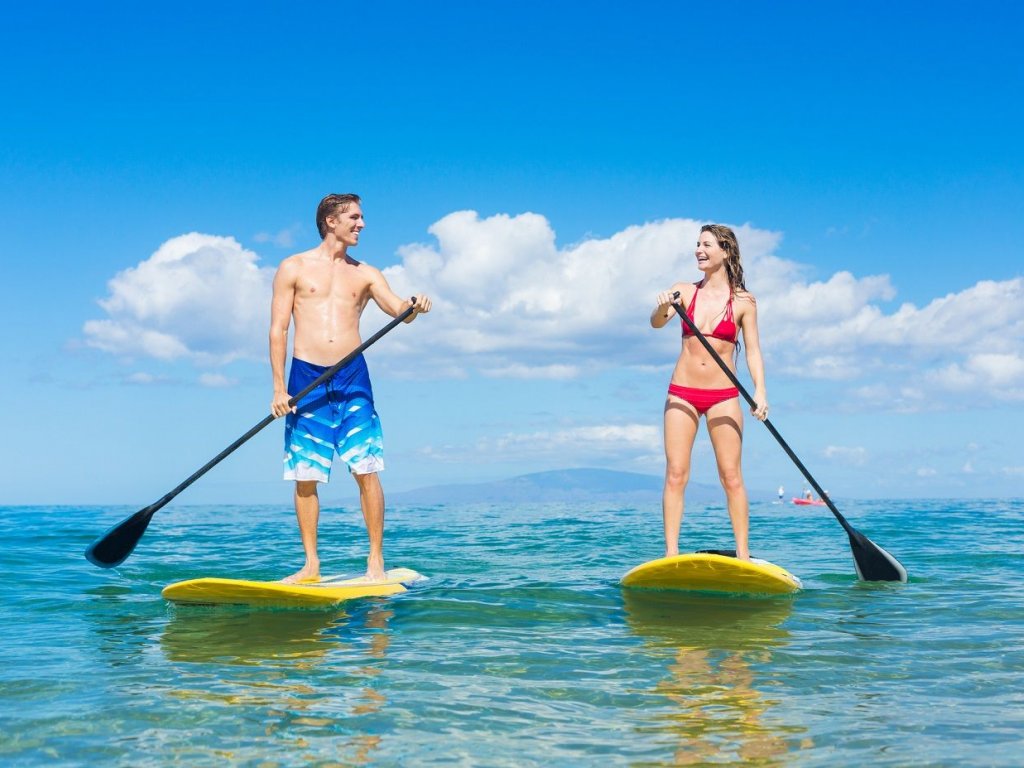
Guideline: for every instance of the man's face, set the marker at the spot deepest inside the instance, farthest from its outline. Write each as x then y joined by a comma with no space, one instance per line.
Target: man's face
346,225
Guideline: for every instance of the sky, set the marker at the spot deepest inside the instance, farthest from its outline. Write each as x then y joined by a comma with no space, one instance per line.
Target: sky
541,171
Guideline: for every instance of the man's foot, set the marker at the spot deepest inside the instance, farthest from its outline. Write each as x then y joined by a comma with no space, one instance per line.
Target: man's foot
375,568
308,575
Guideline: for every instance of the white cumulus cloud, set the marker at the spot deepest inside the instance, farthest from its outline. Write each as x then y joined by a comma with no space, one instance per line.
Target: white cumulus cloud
988,313
510,302
506,295
199,297
1000,374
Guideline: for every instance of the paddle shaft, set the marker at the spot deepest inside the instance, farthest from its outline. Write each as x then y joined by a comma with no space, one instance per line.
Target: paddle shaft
270,417
771,428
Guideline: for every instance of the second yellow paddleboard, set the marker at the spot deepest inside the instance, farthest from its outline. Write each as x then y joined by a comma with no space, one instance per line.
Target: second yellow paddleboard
707,572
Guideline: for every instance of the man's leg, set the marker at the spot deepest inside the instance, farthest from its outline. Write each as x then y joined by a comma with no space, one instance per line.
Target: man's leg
371,499
307,511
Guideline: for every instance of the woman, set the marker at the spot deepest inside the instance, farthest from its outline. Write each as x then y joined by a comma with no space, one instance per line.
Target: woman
721,307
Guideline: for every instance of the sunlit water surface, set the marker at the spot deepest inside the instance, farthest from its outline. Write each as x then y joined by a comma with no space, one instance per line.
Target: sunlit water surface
521,648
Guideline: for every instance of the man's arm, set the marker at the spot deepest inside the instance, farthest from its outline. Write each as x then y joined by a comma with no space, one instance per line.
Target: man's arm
390,302
280,319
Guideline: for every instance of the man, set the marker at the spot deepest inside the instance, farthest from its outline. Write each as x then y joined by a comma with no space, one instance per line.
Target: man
325,291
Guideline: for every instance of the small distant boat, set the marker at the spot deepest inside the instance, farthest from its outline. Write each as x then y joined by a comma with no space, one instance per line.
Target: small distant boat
809,502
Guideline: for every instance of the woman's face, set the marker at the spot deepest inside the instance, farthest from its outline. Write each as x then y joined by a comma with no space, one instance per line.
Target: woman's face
709,253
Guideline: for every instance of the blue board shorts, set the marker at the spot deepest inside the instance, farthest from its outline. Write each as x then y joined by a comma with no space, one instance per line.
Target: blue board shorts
336,417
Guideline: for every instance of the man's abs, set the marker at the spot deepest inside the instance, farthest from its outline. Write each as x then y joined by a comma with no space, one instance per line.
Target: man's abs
325,330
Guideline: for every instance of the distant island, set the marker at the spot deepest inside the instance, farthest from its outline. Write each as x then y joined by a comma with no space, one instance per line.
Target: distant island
560,485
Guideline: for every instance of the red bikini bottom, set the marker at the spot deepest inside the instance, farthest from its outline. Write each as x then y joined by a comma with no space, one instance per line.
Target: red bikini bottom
702,399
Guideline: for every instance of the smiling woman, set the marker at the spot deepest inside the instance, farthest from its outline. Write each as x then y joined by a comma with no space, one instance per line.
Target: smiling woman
700,388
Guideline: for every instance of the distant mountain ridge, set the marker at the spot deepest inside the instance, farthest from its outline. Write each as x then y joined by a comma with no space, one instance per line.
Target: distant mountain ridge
560,485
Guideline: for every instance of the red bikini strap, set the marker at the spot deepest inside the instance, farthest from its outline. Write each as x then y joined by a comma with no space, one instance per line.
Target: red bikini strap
693,301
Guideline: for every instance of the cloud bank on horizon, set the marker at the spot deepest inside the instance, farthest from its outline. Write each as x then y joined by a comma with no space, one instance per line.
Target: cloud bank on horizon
510,302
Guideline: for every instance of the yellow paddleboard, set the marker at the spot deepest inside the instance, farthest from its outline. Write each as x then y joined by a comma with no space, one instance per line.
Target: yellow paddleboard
327,592
706,572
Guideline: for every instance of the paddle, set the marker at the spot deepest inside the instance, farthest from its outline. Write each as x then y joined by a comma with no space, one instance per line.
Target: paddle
871,561
114,546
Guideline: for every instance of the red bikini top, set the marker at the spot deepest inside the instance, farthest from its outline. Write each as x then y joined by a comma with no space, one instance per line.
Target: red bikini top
726,330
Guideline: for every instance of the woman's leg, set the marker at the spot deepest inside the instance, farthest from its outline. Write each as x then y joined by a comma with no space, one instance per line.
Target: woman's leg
725,426
680,429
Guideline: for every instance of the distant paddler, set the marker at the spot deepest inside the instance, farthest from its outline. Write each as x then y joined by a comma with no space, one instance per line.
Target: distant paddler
325,291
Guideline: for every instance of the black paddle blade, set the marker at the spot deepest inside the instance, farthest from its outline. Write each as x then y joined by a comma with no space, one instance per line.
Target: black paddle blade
872,562
114,546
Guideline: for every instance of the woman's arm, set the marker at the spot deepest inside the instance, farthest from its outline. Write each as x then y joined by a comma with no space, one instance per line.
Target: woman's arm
662,313
755,363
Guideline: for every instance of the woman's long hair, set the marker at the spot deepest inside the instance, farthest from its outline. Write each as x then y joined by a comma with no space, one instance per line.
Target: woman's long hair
733,268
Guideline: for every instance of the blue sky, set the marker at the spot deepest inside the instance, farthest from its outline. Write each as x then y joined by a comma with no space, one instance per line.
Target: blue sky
540,170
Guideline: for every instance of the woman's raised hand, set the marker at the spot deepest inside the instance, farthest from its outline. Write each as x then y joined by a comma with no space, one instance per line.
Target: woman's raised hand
665,298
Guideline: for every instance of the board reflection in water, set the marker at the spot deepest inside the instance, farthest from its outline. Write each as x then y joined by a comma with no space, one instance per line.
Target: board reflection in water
278,666
715,701
237,635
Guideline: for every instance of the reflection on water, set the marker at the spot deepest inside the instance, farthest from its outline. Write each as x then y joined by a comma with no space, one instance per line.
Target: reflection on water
294,657
705,620
717,707
231,635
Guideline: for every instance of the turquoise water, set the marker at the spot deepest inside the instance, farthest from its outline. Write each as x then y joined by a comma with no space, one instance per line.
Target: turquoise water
521,649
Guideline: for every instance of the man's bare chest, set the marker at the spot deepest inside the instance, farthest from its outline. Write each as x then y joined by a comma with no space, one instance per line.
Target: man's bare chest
335,284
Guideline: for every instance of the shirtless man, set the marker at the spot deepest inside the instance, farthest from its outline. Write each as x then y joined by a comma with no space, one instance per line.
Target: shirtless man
325,290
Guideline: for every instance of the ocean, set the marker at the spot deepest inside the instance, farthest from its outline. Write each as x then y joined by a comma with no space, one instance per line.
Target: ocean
520,649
